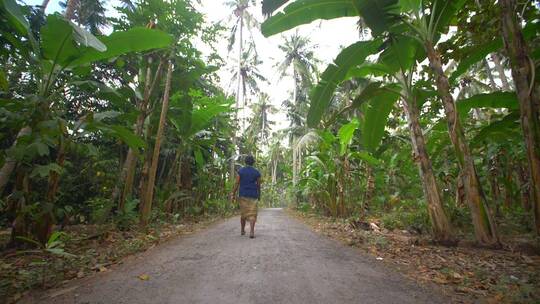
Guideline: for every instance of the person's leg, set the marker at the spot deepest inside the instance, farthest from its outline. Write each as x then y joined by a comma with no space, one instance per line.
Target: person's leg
242,226
252,228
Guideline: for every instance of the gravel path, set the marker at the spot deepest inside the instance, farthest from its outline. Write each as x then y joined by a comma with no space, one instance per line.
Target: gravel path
285,263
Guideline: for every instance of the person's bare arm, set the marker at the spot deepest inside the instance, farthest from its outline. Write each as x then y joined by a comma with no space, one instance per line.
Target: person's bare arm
259,188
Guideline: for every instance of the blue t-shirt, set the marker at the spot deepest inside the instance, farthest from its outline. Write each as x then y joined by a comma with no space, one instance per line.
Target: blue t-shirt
248,182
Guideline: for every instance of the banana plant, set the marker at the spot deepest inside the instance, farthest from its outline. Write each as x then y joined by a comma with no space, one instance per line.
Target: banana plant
423,22
62,47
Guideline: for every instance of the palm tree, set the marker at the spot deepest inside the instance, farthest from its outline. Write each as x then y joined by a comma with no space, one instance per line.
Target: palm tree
88,13
298,57
248,76
242,17
260,124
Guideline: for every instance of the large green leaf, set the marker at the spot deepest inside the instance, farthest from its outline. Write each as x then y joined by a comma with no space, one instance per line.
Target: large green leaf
365,156
57,41
4,85
367,93
490,100
137,39
445,12
376,113
202,117
345,134
367,69
336,73
499,130
199,159
379,15
85,38
117,131
269,6
306,11
16,16
127,136
410,5
45,170
479,52
181,112
401,53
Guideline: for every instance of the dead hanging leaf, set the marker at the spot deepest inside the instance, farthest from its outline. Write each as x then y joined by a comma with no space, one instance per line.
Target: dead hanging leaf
144,277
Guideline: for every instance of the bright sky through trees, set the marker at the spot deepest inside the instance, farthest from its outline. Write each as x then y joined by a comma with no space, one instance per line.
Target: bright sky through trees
329,36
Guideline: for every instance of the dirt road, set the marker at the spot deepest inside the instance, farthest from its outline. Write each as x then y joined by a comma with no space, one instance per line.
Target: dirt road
285,263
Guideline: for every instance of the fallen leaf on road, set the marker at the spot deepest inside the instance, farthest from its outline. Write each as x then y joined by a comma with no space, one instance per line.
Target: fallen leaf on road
144,277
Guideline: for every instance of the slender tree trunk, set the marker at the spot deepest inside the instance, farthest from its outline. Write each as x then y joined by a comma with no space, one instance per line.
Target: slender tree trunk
460,191
274,171
494,182
484,225
44,5
370,189
442,231
130,164
524,188
70,9
44,225
294,160
238,90
523,74
21,224
10,163
500,71
149,194
508,184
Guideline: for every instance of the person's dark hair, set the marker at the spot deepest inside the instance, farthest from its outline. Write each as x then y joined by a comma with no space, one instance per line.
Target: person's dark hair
250,160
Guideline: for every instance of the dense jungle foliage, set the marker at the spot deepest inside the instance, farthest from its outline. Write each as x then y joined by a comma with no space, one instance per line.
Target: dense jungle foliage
429,122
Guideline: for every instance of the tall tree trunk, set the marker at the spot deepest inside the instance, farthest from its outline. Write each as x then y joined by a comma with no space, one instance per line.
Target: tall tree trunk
524,188
128,171
484,225
508,183
494,182
70,9
274,172
294,160
43,226
523,74
44,5
500,71
370,188
10,163
238,90
21,224
146,203
442,231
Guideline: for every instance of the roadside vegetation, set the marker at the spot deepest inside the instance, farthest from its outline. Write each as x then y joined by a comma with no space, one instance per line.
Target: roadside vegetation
423,136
